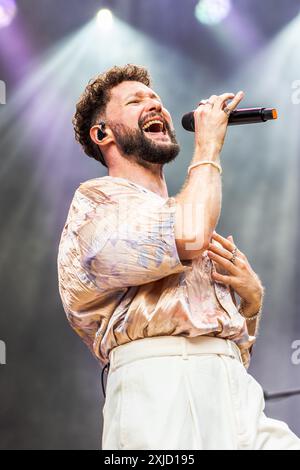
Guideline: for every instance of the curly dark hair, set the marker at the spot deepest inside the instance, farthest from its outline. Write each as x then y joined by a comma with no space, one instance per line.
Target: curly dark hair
94,99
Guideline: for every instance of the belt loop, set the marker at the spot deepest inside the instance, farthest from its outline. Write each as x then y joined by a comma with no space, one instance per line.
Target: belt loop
184,349
230,347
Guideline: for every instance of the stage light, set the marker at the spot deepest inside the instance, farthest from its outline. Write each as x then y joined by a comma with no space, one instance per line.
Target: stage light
105,19
212,11
8,10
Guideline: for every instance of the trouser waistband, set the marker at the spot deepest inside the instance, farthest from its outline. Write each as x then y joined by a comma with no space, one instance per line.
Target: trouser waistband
171,346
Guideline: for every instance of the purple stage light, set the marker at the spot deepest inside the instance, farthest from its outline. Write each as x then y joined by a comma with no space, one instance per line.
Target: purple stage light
8,10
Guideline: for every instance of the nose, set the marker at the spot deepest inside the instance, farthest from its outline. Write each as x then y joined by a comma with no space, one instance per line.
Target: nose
153,105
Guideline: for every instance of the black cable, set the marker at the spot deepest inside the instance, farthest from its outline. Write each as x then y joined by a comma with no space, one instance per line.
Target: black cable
280,395
106,367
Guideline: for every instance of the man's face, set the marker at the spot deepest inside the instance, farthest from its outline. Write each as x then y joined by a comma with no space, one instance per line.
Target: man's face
142,127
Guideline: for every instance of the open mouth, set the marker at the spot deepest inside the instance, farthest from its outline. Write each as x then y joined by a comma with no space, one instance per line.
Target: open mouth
155,128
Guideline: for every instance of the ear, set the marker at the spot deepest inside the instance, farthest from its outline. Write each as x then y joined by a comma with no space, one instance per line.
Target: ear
94,136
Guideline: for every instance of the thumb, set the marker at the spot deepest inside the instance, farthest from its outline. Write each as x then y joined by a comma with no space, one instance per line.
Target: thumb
230,238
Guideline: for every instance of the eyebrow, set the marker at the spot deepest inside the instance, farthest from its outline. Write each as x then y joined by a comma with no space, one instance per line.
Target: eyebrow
142,94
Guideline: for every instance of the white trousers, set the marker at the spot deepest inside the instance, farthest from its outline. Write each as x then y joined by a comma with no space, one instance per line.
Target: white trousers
177,393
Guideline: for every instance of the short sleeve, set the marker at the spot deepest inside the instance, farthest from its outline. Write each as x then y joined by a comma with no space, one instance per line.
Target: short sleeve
128,238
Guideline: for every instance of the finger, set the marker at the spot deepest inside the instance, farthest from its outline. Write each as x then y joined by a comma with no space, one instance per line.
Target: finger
227,280
203,102
230,238
212,100
227,254
225,263
215,99
203,105
221,99
229,245
239,260
224,241
209,102
236,100
219,268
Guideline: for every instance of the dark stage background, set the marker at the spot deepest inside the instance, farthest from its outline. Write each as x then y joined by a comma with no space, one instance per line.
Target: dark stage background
50,394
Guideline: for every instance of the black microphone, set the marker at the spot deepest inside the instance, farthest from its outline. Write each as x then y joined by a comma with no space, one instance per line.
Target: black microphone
236,117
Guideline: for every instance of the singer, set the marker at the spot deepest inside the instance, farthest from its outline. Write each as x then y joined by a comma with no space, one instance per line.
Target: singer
149,285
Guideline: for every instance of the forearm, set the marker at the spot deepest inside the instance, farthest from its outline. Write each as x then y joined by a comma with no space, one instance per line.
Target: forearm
199,204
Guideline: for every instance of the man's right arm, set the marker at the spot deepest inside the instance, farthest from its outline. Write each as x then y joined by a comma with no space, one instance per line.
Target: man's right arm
198,205
198,208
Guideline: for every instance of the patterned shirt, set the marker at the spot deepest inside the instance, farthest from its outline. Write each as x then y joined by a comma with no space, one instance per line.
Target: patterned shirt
121,279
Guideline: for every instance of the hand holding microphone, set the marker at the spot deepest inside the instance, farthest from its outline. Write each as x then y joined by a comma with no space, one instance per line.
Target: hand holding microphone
211,121
235,116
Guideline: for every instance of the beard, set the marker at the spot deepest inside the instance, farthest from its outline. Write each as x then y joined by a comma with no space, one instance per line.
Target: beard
136,146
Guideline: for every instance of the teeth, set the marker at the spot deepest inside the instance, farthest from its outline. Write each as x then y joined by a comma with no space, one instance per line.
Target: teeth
155,121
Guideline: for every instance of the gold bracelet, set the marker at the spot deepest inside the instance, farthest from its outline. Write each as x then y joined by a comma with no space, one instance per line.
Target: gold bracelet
205,162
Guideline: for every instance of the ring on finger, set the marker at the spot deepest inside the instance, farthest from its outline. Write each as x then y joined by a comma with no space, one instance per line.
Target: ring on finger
234,255
227,111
